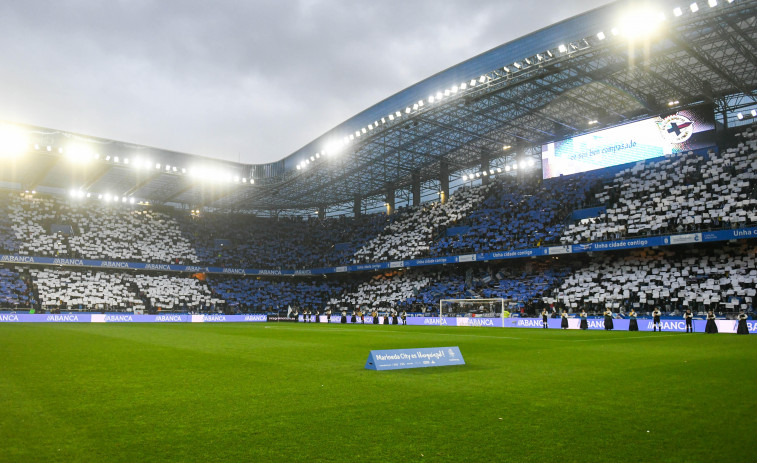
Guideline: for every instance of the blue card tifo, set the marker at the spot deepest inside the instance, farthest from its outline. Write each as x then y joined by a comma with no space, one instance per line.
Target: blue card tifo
397,359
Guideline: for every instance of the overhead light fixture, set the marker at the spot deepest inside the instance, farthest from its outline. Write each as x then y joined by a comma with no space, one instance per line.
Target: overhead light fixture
694,7
677,12
562,48
740,116
712,3
754,113
465,178
506,69
506,147
482,79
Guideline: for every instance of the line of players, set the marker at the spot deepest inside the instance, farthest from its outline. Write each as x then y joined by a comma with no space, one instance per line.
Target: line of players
390,318
710,327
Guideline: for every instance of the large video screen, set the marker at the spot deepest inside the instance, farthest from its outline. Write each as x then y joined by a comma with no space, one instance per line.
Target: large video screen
651,138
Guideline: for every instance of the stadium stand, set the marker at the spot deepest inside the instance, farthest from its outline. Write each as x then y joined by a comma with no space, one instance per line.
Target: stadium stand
411,233
679,194
261,295
47,226
14,291
519,215
118,291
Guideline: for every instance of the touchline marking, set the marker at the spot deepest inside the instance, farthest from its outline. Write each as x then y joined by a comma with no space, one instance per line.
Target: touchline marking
336,330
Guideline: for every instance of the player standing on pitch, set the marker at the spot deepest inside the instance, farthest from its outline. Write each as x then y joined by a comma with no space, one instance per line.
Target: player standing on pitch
656,319
584,322
404,317
633,325
564,322
608,319
742,328
711,326
544,321
689,321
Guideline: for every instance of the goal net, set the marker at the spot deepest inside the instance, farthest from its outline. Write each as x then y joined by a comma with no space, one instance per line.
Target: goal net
473,307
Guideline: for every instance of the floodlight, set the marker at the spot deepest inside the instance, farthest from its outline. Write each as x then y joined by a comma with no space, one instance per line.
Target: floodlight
312,158
415,107
168,168
370,126
99,196
60,150
694,7
592,122
615,31
472,82
740,116
157,165
515,166
539,57
383,121
123,200
174,169
252,180
420,103
507,168
391,117
72,192
107,158
506,147
677,12
439,95
465,178
562,49
712,3
601,35
454,89
244,180
549,53
89,195
352,137
531,163
478,174
318,155
115,159
126,161
357,133
183,170
446,92
36,146
517,65
131,200
522,164
49,148
407,110
491,172
463,86
528,61
106,197
499,170
506,69
13,141
398,114
299,167
80,194
484,173
754,113
482,79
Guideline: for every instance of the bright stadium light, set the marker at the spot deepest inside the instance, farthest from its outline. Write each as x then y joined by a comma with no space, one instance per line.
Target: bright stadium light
506,69
446,92
431,98
601,35
453,89
463,86
754,113
391,117
531,163
472,82
562,49
439,95
507,168
677,12
407,110
157,165
506,147
13,141
398,114
79,154
740,116
641,22
517,65
482,79
415,107
465,178
694,7
712,3
131,200
107,158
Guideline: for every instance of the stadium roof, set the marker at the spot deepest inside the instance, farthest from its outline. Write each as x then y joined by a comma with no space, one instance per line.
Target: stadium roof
609,66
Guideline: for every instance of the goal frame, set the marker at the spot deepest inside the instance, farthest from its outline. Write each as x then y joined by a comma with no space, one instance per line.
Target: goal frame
503,304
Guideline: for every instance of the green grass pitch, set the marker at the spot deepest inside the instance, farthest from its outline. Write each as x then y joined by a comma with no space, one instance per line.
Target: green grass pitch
283,392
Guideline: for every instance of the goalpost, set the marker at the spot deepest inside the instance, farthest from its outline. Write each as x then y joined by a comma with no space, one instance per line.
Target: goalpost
486,308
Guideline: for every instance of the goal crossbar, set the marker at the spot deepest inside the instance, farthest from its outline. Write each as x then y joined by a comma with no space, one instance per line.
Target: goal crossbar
499,302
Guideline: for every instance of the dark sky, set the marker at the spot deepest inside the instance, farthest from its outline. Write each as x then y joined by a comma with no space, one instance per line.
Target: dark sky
239,80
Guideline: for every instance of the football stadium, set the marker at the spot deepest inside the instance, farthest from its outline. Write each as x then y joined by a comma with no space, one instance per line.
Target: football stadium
543,253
